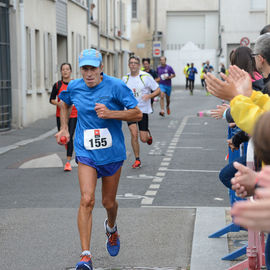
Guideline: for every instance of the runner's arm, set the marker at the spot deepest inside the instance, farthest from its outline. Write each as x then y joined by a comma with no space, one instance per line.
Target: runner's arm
152,95
131,115
171,76
53,96
64,118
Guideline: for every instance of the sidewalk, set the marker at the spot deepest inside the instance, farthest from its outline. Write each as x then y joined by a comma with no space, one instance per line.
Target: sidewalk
205,251
15,138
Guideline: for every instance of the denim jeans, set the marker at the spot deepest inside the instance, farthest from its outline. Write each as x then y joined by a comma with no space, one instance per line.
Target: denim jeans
267,252
228,172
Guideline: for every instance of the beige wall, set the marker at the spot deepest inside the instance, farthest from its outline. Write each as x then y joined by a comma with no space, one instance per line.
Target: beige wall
268,11
141,34
30,100
77,34
37,14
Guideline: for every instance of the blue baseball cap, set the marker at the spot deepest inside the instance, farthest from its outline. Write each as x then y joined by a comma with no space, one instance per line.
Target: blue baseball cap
90,57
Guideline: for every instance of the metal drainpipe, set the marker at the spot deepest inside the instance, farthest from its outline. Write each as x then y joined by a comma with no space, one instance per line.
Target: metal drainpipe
114,27
121,28
219,31
98,32
156,59
23,64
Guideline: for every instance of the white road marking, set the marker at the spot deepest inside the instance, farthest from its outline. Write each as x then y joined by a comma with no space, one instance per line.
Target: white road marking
147,201
154,186
140,176
182,170
25,142
50,161
191,133
157,180
187,147
160,174
165,162
150,193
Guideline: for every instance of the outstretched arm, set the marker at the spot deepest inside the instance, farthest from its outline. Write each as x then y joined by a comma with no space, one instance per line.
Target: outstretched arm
237,83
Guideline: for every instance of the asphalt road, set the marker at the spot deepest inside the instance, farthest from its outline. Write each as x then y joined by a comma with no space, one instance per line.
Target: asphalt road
157,203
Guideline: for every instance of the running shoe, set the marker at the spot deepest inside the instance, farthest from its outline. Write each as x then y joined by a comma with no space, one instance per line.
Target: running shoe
137,164
162,114
85,263
168,111
150,139
67,167
113,241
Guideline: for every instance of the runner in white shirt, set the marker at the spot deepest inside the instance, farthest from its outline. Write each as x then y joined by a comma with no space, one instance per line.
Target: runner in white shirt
141,83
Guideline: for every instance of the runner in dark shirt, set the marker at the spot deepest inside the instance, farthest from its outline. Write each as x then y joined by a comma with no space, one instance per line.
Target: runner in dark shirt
147,68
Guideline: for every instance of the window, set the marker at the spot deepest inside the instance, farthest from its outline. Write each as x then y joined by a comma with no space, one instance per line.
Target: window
79,48
134,9
37,57
258,4
28,58
48,61
93,11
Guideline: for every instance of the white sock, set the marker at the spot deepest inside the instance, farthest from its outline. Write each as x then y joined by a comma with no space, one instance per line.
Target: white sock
86,253
111,230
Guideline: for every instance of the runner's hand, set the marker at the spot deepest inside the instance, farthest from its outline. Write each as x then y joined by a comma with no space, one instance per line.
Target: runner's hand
102,111
61,133
146,97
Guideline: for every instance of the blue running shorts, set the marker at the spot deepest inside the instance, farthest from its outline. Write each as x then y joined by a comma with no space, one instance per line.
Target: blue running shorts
166,89
102,170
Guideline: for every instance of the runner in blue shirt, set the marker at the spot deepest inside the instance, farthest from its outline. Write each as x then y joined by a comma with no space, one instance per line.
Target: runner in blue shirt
99,143
191,77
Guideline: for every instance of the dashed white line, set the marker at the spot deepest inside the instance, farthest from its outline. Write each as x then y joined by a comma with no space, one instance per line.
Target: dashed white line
154,186
157,180
150,193
147,201
160,174
182,170
164,164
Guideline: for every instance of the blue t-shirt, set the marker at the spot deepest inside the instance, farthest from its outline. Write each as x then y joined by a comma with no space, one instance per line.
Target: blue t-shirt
191,73
116,96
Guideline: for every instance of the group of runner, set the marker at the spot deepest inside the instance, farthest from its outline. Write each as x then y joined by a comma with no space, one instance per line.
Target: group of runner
100,103
190,71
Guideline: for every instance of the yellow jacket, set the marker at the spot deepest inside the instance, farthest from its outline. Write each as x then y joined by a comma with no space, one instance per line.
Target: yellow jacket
202,73
246,110
185,71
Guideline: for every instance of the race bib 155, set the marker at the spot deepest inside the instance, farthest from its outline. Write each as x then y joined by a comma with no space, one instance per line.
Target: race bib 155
95,139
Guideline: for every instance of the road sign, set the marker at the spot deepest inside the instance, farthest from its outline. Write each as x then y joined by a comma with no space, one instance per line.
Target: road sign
156,48
244,41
